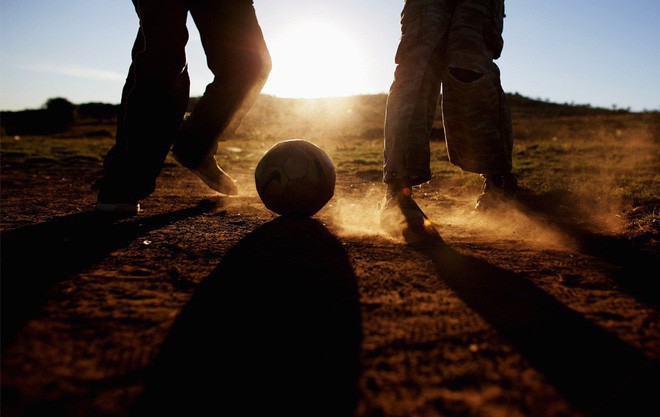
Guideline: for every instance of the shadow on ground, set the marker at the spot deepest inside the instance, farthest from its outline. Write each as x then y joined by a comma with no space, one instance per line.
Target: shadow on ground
274,329
597,372
636,269
35,258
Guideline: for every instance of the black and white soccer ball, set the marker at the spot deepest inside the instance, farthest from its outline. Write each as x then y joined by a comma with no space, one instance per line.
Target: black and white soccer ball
295,178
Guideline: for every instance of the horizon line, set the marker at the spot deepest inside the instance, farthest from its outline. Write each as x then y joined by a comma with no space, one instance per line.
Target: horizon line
546,100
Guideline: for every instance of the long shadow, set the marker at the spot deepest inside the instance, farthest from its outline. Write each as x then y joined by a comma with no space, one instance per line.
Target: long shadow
597,372
275,329
35,258
636,270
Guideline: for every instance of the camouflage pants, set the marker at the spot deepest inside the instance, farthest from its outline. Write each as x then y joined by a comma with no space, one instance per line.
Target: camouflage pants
448,45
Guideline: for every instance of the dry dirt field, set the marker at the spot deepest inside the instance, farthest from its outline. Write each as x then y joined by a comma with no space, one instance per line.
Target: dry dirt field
208,305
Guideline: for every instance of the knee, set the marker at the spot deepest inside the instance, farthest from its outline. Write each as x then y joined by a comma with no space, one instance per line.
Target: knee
256,67
264,65
163,70
464,75
162,61
251,69
242,67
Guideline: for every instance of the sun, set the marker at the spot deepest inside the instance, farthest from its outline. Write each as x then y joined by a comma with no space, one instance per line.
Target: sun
315,59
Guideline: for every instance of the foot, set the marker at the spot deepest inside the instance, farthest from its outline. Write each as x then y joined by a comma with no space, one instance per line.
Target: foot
496,191
121,208
400,216
212,175
115,202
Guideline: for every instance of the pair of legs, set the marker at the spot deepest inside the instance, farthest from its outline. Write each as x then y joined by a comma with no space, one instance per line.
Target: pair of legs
156,92
448,45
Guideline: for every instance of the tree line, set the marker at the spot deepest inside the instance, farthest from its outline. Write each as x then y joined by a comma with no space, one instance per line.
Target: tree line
55,116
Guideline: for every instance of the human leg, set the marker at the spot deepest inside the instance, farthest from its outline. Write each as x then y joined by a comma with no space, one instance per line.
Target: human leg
410,112
239,60
414,94
153,102
476,116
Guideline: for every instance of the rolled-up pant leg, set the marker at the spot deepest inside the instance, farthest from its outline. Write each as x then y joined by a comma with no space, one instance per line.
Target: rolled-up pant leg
240,62
476,116
414,94
153,102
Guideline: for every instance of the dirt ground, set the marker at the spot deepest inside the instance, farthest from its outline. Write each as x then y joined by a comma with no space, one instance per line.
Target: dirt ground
206,305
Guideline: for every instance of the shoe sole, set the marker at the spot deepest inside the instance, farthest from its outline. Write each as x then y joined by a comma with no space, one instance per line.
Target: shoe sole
118,208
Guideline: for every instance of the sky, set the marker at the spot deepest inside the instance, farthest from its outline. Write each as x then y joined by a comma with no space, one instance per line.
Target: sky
600,52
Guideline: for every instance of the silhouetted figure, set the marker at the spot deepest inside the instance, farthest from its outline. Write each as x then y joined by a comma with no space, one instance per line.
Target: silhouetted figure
156,93
448,45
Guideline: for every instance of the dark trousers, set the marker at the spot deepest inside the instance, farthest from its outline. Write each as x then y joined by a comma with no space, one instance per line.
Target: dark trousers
156,92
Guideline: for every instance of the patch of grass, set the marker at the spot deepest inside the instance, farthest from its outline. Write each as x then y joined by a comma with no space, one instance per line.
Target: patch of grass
58,149
361,155
619,162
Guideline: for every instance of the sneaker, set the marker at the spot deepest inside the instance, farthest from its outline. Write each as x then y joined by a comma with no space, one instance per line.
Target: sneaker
400,216
124,208
496,191
114,202
211,174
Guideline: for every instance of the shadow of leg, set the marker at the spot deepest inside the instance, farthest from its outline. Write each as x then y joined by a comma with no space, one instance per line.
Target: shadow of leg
636,269
596,371
35,258
275,329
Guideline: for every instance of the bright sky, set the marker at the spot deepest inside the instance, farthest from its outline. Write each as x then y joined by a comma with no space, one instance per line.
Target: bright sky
602,52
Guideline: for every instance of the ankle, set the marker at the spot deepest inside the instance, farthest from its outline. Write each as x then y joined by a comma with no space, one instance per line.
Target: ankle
401,186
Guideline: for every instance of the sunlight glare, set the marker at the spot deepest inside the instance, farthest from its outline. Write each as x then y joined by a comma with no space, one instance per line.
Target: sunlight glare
315,59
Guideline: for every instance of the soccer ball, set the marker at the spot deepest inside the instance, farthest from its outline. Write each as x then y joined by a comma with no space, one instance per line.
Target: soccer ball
295,178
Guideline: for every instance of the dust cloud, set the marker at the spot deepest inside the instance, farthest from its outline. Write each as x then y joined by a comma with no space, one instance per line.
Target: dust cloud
455,219
463,222
357,216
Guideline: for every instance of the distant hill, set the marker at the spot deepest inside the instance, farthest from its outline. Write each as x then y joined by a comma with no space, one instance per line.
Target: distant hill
363,115
353,115
524,106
